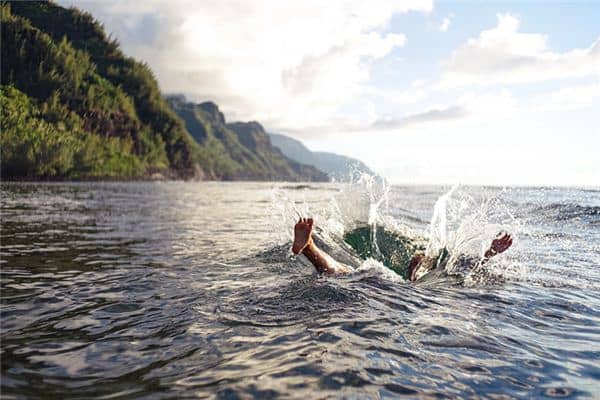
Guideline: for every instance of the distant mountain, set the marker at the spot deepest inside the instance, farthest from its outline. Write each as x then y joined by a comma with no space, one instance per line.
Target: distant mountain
240,150
336,166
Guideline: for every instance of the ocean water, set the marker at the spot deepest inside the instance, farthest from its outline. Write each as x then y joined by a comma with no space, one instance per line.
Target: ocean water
189,290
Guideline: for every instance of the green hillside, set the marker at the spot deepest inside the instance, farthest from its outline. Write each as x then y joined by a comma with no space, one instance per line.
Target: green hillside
240,150
75,107
95,101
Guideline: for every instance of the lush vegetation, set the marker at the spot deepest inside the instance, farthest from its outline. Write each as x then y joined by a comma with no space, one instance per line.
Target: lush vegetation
69,89
74,106
49,142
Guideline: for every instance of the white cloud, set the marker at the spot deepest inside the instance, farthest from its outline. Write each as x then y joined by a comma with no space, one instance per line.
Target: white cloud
415,94
490,105
569,98
471,106
446,23
432,115
287,64
503,55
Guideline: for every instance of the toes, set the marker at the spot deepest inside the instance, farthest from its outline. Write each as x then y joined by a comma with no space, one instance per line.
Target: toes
307,221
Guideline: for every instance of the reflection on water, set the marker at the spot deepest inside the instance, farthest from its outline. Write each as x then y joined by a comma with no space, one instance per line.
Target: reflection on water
171,290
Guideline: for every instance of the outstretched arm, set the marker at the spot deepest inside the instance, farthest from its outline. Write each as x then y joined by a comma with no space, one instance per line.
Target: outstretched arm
303,243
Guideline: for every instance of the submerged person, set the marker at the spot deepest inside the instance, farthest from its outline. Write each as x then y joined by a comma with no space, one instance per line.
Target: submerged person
420,264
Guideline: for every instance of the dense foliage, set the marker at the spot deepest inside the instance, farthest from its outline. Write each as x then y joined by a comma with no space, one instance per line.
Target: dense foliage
33,147
74,106
66,84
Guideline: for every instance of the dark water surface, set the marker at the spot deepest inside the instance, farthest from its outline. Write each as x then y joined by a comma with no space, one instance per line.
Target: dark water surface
188,290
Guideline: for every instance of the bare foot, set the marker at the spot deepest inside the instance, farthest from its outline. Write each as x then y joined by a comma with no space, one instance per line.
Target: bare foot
302,234
502,242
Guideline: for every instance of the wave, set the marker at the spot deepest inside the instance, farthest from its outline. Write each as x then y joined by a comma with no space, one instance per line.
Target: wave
569,211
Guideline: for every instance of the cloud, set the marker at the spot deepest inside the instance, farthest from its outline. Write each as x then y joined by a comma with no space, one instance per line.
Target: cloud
503,55
288,64
416,93
348,125
574,97
470,106
490,104
433,115
445,23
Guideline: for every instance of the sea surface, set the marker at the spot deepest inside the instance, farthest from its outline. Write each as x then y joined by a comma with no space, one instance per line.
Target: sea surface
189,290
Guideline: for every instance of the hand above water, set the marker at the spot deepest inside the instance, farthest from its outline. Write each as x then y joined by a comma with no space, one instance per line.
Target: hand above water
502,242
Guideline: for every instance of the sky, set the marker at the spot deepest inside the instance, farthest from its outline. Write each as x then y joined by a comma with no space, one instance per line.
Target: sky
469,92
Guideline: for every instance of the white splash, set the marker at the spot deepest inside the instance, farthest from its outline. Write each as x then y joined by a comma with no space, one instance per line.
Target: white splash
438,227
463,221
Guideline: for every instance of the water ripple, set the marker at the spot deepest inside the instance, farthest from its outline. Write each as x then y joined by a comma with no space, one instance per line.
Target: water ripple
185,290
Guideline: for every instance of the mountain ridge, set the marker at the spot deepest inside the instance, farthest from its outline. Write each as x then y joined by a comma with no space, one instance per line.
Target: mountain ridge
241,150
337,166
